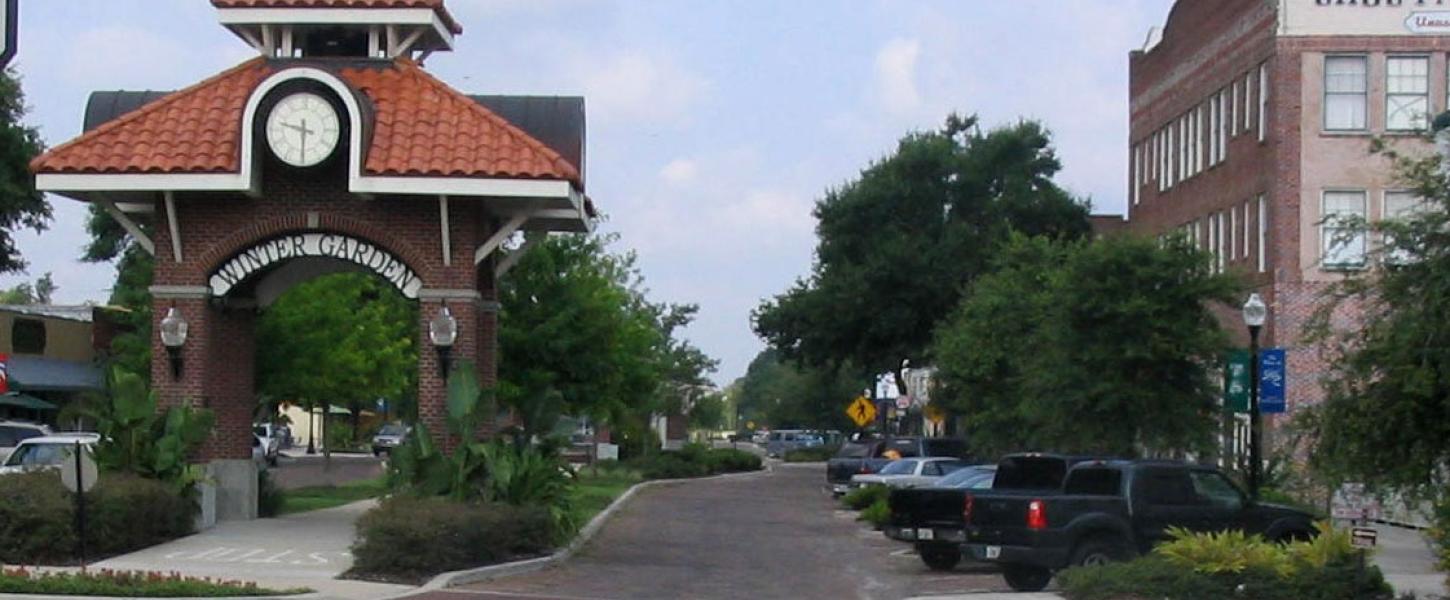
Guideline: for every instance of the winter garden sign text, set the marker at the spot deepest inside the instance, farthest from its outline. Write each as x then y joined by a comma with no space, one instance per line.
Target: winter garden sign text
318,245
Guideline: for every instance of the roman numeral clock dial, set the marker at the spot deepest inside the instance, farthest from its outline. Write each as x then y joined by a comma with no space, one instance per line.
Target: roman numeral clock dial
302,129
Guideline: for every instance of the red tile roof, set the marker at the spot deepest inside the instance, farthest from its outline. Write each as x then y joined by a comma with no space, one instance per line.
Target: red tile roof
194,130
421,127
436,5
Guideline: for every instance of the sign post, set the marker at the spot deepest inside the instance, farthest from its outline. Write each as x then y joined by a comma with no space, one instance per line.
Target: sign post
9,21
79,476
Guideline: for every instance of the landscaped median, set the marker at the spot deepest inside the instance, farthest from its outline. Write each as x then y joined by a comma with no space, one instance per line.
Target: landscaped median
128,584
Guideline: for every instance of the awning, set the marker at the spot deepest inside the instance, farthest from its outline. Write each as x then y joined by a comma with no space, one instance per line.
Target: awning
53,375
25,401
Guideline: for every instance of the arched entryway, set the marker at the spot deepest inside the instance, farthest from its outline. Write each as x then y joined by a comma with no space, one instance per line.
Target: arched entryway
312,158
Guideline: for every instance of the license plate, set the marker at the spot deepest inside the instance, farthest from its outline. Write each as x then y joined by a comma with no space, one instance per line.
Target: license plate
994,552
925,534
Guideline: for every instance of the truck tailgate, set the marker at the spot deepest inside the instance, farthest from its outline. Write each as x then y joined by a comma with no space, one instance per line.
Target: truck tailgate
927,507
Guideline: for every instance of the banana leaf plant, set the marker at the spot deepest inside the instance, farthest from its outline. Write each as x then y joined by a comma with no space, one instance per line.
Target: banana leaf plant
136,438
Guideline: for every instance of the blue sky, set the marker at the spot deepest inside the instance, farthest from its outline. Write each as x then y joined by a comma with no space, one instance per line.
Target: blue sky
713,126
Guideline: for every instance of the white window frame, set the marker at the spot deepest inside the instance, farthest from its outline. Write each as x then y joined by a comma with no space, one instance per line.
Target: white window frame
1422,120
1214,116
1263,235
1233,232
1398,258
1263,101
1223,128
1363,96
1329,231
1245,236
1233,110
1248,101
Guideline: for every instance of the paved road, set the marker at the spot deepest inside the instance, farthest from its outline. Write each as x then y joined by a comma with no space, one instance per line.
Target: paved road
775,535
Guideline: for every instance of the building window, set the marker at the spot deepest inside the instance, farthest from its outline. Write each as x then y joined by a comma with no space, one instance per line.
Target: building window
1214,116
1399,206
1233,233
1221,251
1407,93
1223,114
1248,102
1137,178
1342,229
27,336
1233,110
1345,92
1263,235
1245,236
1263,100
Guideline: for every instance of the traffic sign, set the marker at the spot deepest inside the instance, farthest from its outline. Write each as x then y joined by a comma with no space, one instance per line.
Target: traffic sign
9,20
862,411
935,414
78,475
903,402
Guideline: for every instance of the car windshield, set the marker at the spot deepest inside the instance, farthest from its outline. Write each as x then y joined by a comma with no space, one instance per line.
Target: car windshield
900,467
260,430
853,450
392,430
31,455
959,477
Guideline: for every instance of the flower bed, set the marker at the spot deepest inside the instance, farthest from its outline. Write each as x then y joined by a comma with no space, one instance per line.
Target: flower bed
131,584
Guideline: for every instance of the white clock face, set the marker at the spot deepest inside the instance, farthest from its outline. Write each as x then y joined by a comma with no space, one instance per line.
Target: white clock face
302,129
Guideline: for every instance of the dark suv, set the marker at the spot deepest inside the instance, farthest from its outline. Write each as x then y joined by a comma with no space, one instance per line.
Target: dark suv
868,456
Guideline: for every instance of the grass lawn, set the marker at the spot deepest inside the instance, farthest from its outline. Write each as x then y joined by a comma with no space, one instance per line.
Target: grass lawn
594,493
327,496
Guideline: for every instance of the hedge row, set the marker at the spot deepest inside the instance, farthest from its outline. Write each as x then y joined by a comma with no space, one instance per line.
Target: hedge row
408,539
693,461
123,513
1153,578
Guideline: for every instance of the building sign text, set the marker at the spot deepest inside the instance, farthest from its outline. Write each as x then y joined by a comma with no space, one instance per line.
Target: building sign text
321,245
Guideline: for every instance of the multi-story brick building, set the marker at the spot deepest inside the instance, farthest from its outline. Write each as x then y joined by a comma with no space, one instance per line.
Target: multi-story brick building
1250,131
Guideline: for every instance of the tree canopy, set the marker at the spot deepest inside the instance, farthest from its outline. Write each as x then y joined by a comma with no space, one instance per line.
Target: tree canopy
898,244
1097,347
1385,420
28,293
21,205
784,394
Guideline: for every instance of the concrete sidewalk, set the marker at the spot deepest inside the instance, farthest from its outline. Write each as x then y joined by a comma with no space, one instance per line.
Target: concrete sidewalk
303,550
1408,563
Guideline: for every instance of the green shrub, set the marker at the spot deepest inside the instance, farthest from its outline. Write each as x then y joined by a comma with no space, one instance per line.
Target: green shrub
1440,534
269,499
123,513
816,454
1204,566
878,514
861,498
668,465
528,477
728,460
106,582
410,539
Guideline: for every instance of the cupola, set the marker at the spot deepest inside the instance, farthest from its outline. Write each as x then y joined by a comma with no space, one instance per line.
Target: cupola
377,29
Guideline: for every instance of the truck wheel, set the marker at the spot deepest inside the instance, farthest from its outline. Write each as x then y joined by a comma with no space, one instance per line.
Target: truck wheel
1026,578
1097,552
939,558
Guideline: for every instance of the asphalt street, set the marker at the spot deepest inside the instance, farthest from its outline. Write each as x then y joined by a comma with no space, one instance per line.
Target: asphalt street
773,535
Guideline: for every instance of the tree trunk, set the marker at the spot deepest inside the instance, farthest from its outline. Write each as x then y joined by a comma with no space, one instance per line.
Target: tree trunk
326,448
356,424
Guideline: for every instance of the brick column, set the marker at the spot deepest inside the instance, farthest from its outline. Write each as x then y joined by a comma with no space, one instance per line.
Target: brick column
216,370
432,387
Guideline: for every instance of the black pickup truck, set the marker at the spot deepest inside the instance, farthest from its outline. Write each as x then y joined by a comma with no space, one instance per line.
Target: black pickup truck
864,457
932,518
1112,510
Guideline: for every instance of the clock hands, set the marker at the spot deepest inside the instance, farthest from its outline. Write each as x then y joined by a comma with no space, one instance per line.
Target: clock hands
302,130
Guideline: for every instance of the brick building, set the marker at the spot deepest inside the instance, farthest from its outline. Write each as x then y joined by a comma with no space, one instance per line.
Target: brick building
1250,130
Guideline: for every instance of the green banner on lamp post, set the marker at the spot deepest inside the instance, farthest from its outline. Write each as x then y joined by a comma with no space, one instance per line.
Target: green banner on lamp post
1236,381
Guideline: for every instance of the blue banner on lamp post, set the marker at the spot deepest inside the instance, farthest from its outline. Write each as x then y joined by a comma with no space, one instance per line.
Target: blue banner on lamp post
1273,378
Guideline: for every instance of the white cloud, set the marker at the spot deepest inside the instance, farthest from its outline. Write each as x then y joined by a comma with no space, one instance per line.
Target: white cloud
635,86
896,75
680,171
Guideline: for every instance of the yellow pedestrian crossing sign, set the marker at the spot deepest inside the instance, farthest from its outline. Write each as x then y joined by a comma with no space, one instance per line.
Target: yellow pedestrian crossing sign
862,411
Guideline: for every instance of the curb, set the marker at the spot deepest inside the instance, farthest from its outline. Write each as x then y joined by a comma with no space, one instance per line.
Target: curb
306,596
519,567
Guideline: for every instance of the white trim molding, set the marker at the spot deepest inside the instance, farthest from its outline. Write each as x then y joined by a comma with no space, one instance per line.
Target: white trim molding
237,18
130,226
494,241
180,292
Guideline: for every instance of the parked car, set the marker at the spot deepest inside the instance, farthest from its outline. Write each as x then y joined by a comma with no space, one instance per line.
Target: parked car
974,477
271,441
14,432
1112,510
389,437
760,436
932,517
259,453
781,441
863,457
43,453
909,472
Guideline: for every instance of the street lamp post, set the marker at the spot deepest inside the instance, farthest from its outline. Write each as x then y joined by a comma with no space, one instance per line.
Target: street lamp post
1255,313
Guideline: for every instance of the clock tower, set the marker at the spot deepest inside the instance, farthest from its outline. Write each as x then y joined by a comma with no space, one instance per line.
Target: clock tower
332,150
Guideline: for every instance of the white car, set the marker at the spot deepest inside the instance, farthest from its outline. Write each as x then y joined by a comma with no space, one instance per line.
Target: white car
259,452
14,432
44,453
909,472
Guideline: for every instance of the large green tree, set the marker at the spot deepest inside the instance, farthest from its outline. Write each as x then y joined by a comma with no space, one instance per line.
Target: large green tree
1105,346
784,394
897,244
21,205
28,293
345,339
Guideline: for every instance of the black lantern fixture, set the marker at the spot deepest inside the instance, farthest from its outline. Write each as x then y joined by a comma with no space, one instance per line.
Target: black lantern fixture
173,337
1255,313
443,331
